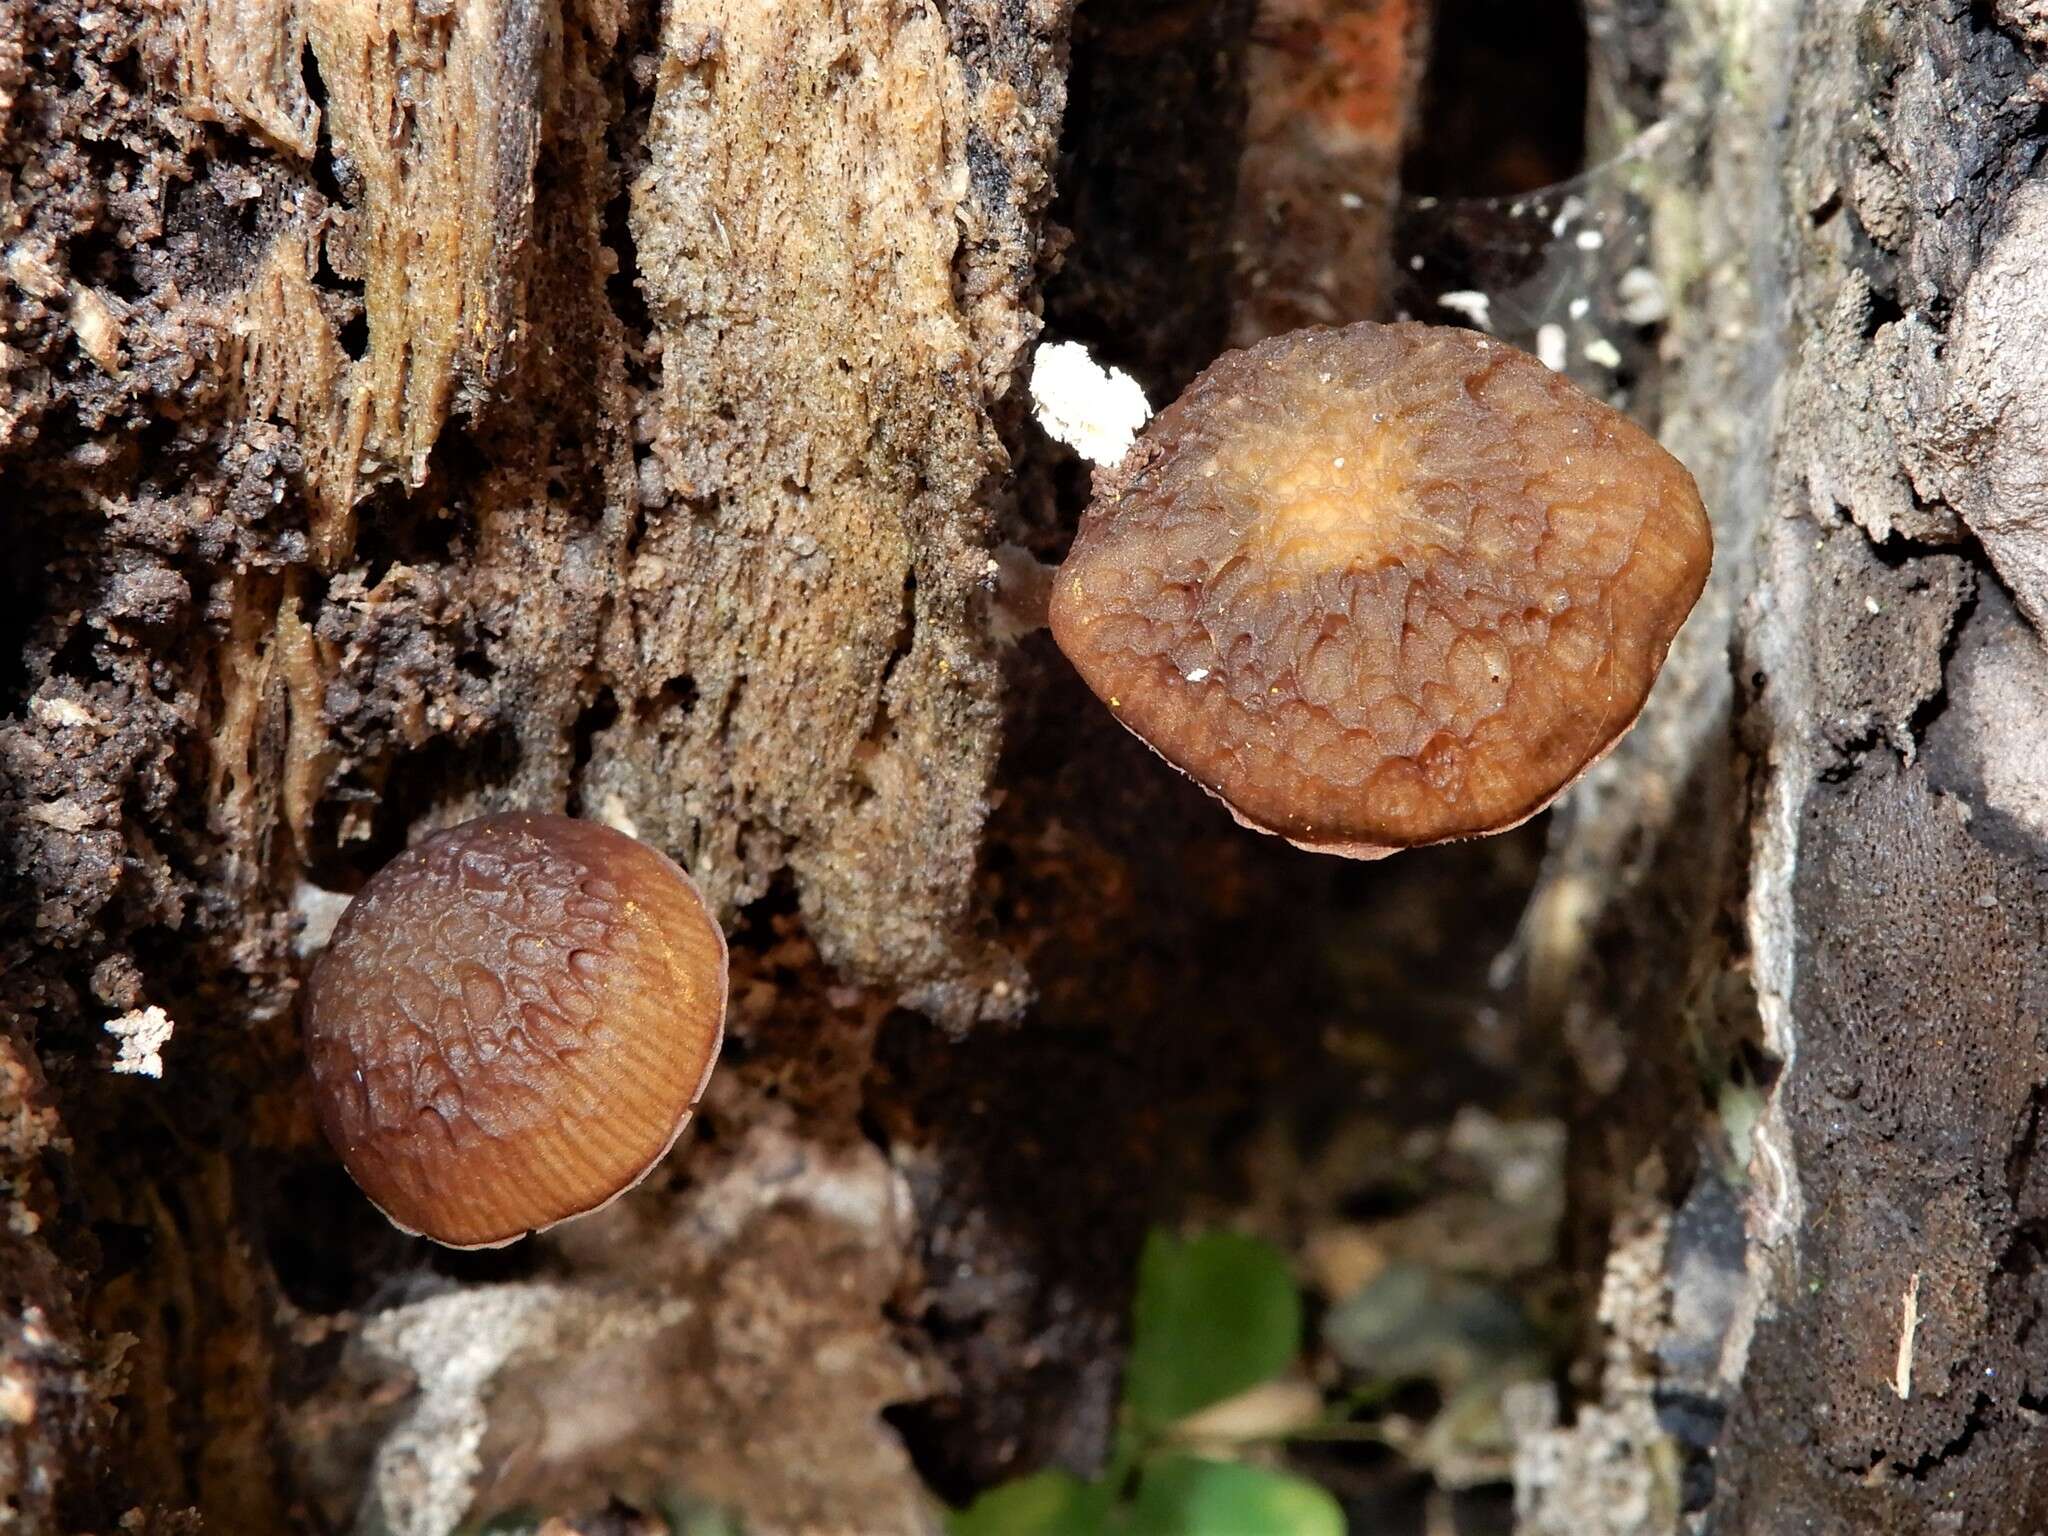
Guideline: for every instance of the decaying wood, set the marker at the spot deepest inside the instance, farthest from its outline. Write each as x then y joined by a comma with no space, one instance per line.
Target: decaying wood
1862,1352
413,409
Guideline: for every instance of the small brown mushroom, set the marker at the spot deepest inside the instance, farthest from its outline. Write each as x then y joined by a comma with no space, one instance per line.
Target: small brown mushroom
1382,586
512,1024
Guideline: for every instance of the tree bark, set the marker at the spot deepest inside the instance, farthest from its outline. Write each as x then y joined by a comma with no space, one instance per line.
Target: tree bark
1821,1303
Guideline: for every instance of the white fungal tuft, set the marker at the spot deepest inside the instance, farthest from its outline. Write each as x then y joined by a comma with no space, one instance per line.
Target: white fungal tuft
1602,353
143,1034
1094,410
1472,304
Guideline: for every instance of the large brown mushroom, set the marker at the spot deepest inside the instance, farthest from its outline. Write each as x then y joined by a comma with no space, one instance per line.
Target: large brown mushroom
1382,586
512,1023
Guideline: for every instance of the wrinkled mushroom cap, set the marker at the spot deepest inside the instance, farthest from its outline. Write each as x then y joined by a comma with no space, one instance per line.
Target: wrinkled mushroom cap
512,1023
1382,586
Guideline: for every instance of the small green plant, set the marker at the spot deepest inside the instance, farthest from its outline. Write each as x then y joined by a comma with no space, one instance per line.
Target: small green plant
1214,1316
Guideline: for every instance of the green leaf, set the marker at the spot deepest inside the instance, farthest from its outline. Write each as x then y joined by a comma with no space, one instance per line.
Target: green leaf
1046,1504
1214,1315
1184,1496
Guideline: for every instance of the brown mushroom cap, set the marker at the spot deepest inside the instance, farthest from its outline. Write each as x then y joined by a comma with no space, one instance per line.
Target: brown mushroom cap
1383,586
512,1023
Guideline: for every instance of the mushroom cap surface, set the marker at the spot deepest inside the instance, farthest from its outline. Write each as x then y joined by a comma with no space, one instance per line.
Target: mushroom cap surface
512,1023
1382,586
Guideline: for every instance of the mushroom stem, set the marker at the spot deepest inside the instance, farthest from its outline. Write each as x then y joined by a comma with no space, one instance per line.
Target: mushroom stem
1022,586
1096,411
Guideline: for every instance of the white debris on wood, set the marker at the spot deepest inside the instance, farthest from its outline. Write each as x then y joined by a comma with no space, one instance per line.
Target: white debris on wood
53,711
142,1033
318,911
66,815
1603,353
17,1399
1550,347
613,811
1641,294
1470,303
1909,1325
1094,410
97,327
